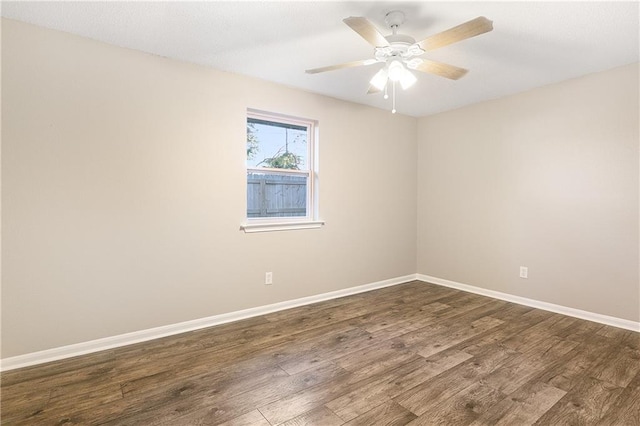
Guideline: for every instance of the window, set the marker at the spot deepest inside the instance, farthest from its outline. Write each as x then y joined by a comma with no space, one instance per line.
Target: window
281,174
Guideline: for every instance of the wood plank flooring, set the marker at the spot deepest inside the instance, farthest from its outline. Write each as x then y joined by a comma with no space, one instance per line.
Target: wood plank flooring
414,354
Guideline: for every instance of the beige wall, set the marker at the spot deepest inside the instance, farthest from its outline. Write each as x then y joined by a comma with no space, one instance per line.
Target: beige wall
546,179
124,189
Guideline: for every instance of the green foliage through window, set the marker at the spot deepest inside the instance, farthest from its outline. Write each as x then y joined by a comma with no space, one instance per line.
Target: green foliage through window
252,141
276,145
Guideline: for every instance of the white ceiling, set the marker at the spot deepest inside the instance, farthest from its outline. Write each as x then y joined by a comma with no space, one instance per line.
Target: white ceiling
532,44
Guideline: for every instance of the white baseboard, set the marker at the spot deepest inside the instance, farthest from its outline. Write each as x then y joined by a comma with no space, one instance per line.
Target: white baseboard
97,345
564,310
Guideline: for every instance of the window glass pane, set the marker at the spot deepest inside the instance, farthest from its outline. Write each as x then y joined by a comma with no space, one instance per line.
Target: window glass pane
276,145
276,195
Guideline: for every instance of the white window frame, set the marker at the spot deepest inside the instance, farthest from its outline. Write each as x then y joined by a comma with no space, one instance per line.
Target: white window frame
262,224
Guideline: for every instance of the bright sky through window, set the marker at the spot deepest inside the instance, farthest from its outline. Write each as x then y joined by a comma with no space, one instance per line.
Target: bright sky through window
275,140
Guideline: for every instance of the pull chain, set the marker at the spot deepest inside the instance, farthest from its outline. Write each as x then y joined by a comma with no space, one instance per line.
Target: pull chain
393,94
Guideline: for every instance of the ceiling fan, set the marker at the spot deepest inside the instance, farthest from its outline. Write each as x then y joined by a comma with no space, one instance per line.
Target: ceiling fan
401,53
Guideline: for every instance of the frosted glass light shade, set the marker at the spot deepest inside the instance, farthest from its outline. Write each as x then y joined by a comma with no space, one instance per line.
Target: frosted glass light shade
407,79
395,70
380,79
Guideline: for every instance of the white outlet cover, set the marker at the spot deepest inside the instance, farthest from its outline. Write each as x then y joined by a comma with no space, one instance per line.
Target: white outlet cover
524,272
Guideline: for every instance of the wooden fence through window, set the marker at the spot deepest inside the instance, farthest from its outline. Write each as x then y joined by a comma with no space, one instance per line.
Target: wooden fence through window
271,195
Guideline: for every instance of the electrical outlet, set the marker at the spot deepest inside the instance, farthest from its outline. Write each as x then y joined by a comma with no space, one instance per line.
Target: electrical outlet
524,272
268,278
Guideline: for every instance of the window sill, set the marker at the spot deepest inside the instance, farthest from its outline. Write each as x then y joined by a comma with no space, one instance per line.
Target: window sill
280,226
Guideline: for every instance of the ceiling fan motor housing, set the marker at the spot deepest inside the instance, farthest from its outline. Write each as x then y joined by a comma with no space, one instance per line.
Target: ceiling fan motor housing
401,46
400,40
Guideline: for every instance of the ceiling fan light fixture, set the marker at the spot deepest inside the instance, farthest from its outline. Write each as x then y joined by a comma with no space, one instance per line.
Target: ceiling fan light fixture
407,79
379,81
396,70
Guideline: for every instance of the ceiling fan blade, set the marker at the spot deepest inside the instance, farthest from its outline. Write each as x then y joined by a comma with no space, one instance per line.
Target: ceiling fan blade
373,89
340,66
469,29
443,70
366,30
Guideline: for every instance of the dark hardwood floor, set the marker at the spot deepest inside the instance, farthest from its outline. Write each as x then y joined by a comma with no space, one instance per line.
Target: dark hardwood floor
415,354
